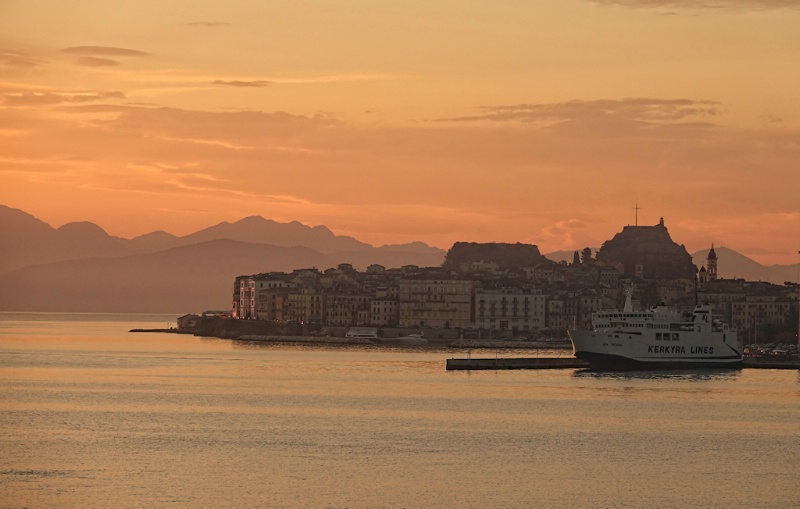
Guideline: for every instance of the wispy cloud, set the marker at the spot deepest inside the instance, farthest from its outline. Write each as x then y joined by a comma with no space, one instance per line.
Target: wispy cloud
608,117
703,4
16,132
50,98
103,51
209,24
10,58
643,109
215,143
238,83
96,62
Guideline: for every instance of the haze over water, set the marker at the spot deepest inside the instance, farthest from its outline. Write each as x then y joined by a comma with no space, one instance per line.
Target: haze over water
94,416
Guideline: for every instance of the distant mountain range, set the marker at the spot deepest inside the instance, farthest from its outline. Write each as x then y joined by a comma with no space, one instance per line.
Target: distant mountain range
79,267
733,265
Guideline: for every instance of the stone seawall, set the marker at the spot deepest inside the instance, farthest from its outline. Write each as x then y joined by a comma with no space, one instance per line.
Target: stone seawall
230,328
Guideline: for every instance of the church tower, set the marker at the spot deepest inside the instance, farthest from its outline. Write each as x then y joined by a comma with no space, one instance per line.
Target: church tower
711,263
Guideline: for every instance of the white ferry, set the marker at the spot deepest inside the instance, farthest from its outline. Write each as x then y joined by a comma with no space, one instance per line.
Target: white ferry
658,338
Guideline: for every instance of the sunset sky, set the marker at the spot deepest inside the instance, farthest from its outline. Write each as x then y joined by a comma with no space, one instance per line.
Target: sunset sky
531,121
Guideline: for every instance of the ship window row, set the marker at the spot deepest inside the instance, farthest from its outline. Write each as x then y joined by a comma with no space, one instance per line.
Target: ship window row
626,315
668,336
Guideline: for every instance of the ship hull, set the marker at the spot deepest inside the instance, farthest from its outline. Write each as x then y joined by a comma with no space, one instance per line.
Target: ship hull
610,362
614,351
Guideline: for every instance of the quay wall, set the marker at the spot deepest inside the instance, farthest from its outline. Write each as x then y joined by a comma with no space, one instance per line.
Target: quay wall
517,363
231,328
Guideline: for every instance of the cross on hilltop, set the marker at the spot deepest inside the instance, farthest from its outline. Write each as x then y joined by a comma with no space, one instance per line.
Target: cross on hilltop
637,208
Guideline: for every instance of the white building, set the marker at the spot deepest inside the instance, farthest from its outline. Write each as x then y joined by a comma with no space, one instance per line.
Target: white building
512,309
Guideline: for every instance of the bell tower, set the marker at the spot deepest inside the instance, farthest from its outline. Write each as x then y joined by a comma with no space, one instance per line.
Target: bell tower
711,263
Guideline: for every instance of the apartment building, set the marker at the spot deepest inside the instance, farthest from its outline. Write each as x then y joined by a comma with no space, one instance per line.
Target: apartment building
757,310
347,308
512,309
436,302
305,305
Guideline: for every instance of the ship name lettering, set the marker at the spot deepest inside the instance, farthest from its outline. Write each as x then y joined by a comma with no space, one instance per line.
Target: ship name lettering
666,349
702,349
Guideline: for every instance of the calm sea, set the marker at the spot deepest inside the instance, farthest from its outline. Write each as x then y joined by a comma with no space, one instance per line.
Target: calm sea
95,416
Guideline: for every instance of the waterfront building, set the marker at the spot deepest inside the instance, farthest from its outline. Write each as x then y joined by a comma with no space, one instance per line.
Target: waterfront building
306,305
754,312
436,302
244,297
510,309
347,308
721,294
556,317
250,292
385,311
587,305
271,303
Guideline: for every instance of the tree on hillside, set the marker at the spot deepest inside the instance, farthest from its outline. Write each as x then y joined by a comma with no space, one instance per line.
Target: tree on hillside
586,255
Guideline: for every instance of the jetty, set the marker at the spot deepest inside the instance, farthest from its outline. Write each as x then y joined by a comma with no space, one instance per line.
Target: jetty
170,330
516,363
771,362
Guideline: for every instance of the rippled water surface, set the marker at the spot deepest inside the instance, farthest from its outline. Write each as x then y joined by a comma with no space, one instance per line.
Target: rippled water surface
94,416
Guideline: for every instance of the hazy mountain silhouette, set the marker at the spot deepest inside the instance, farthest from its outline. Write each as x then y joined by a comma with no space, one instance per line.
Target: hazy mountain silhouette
733,265
183,279
29,241
258,230
79,267
154,241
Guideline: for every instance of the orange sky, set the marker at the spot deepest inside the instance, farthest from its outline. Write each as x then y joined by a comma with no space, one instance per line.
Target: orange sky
393,121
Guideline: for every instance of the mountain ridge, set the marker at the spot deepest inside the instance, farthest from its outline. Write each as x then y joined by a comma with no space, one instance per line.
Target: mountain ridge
79,267
193,277
30,241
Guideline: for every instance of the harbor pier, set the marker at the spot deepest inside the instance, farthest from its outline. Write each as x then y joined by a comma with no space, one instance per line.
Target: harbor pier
517,363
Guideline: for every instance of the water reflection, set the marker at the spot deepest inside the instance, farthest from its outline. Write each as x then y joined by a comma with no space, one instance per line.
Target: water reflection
703,375
337,347
243,344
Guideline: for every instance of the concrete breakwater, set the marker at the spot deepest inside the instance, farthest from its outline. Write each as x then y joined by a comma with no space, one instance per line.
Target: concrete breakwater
168,331
517,363
771,362
326,340
229,328
523,345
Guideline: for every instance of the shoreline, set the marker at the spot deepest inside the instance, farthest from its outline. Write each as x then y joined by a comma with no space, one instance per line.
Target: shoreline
463,344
